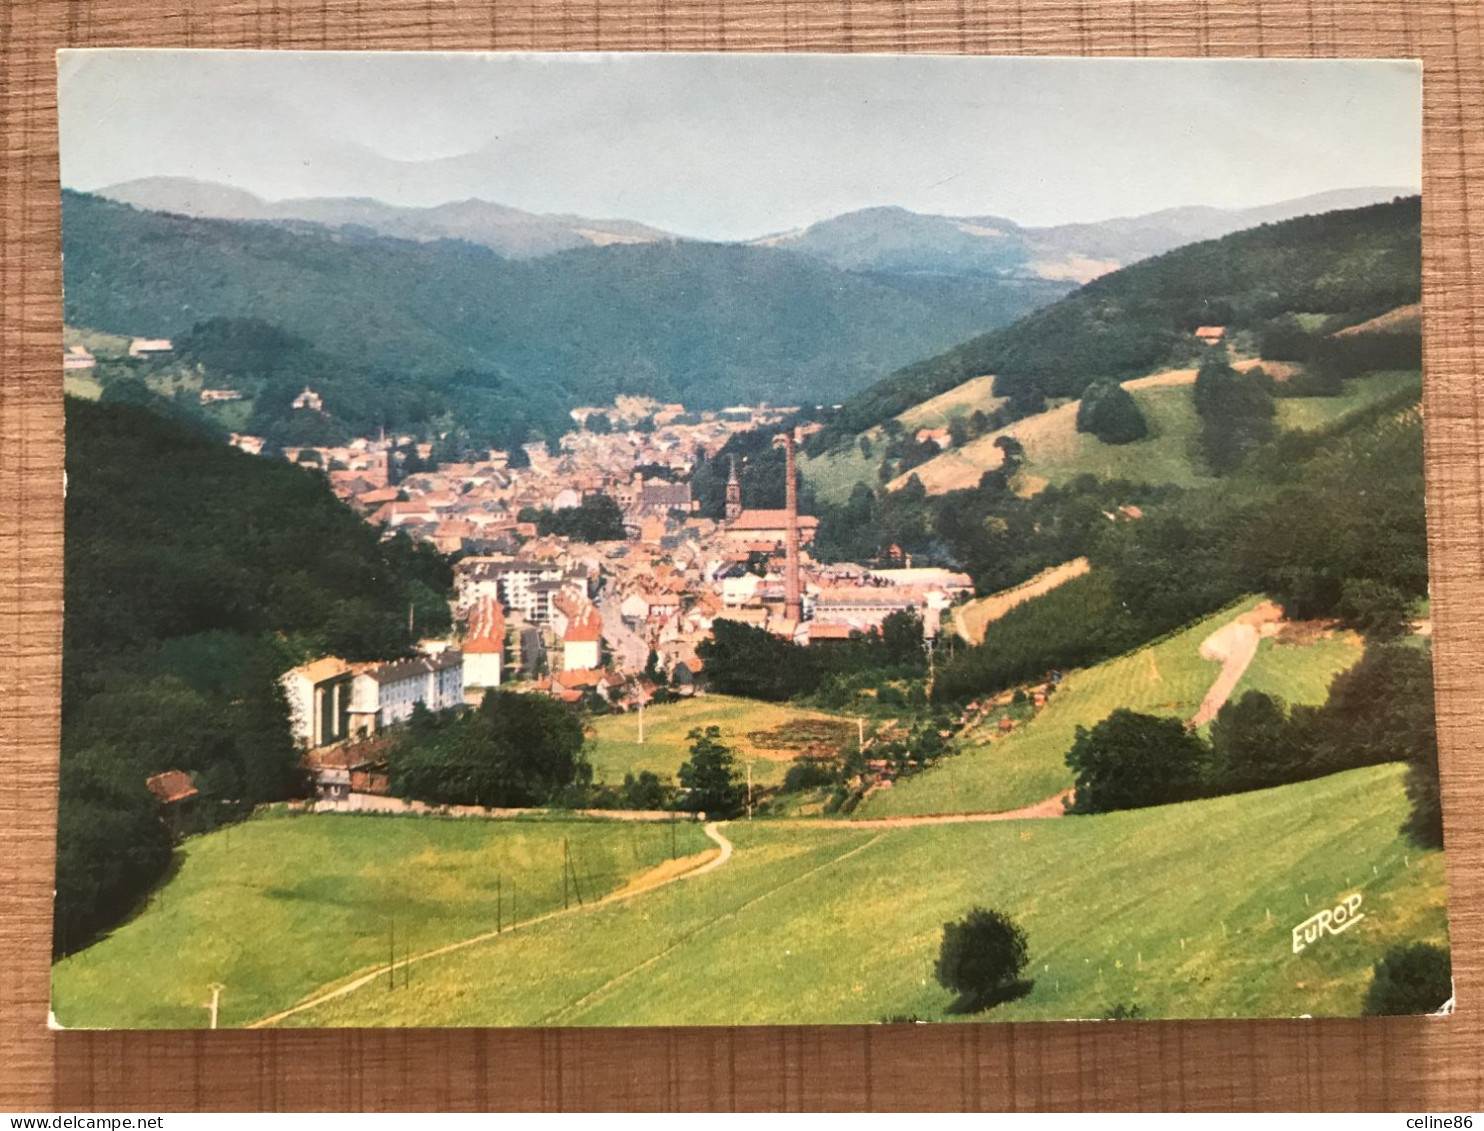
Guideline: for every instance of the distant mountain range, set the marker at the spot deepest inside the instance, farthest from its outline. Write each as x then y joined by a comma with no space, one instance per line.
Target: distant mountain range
887,240
902,242
509,231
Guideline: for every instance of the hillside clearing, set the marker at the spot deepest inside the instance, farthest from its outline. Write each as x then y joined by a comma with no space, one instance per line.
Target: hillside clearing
750,728
974,395
972,618
1184,910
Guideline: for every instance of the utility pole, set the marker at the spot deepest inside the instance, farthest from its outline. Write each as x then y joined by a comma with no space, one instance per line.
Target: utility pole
641,720
216,998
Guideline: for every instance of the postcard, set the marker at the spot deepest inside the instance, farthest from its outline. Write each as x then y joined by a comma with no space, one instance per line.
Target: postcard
701,539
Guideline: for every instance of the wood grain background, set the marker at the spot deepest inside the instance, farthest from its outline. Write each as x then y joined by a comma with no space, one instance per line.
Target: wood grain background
1404,1064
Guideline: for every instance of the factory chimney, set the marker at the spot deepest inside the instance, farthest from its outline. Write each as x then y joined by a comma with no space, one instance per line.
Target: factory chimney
792,603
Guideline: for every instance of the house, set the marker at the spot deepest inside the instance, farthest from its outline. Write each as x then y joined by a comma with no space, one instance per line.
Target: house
309,399
1210,335
566,499
176,794
150,347
77,357
319,701
484,647
582,642
940,437
252,445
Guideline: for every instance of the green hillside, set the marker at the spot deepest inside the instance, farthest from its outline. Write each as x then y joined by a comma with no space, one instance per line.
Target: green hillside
1184,911
194,575
1056,453
277,906
704,323
1028,765
1351,264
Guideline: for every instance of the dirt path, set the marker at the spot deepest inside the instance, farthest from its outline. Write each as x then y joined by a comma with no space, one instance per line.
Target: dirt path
592,995
1234,645
638,886
1052,806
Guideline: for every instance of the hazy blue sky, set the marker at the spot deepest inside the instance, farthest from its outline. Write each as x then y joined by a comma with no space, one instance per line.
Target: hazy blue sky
729,146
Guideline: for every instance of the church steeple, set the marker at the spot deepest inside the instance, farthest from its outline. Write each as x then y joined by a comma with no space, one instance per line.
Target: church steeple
734,493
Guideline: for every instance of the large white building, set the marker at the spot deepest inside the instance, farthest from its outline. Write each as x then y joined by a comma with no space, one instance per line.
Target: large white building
384,694
319,695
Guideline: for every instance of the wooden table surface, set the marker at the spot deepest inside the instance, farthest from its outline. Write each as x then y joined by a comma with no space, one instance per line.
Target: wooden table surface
1421,1065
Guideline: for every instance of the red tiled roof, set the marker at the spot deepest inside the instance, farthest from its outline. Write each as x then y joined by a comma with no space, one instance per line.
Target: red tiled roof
486,628
171,786
770,520
586,625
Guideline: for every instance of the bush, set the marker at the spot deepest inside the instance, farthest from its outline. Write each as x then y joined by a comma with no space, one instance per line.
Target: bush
1374,609
809,773
1131,760
981,957
1255,744
1111,414
1410,980
515,750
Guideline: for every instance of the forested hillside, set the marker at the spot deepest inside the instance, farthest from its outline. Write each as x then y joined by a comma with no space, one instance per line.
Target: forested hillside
1343,266
703,323
194,575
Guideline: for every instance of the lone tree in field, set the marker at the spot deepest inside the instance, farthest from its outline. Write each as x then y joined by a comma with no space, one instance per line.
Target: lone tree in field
710,776
1410,979
982,957
1110,413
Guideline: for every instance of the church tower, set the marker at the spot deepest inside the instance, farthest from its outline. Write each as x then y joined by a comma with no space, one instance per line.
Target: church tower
734,493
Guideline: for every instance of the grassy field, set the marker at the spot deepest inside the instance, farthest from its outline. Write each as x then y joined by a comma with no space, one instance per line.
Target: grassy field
80,384
616,750
974,395
1315,412
282,904
834,475
1299,673
1183,911
1057,453
1170,678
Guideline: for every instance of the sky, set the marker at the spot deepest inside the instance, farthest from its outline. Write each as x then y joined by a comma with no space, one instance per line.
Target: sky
737,146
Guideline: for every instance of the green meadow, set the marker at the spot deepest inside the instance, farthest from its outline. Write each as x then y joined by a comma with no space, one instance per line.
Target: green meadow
1182,911
615,749
273,908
